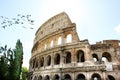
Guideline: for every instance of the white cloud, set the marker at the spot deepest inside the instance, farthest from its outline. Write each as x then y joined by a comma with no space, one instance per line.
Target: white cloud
117,29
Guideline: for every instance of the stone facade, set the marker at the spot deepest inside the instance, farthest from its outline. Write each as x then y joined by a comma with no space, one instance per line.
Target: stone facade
59,54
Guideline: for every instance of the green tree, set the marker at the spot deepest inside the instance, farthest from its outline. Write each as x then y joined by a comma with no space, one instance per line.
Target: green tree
3,68
24,73
11,62
18,54
6,59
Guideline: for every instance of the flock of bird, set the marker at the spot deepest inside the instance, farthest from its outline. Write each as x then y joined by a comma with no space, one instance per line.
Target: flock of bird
19,20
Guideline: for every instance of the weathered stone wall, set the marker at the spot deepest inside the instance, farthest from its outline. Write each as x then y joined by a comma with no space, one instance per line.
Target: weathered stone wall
54,24
59,54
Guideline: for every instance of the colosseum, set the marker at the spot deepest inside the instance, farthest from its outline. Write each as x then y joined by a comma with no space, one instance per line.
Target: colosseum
59,54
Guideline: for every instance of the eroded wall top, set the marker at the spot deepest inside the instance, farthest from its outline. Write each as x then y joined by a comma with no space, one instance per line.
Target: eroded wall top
55,23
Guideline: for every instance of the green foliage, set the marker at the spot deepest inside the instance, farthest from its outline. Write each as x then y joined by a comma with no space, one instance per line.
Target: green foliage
18,53
11,62
5,62
3,68
24,73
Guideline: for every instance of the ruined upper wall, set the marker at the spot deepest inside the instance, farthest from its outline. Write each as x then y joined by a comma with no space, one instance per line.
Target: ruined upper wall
106,44
115,43
55,23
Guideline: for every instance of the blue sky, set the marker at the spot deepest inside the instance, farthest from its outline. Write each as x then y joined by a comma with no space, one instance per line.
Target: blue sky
96,20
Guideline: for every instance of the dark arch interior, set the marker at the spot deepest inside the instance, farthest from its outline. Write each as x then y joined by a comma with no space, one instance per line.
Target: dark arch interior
67,77
48,60
68,57
42,62
35,78
33,63
47,77
80,77
80,56
96,76
36,63
40,77
95,56
56,77
57,59
111,77
107,56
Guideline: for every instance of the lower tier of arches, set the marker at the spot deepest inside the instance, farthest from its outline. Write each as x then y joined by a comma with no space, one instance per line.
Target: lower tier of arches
93,75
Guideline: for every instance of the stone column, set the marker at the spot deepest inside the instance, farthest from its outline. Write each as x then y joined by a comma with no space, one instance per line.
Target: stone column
104,76
73,56
54,41
87,55
45,61
63,38
52,60
61,58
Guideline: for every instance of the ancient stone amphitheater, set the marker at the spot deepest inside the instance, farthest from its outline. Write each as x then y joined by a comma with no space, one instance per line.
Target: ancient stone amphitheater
59,54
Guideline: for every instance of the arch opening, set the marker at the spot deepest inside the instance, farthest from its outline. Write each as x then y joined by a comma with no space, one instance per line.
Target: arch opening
35,78
57,59
45,46
95,57
80,77
42,62
67,77
48,60
68,57
96,76
80,56
51,43
33,66
106,57
40,77
36,63
68,38
59,42
110,77
56,77
47,77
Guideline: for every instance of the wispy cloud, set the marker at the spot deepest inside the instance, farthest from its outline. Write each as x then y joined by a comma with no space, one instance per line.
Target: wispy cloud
117,29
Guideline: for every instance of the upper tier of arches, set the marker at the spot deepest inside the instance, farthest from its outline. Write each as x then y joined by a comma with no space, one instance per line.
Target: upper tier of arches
57,22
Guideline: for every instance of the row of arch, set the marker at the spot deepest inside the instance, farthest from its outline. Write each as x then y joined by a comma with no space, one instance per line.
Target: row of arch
80,76
51,42
80,57
57,59
105,57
